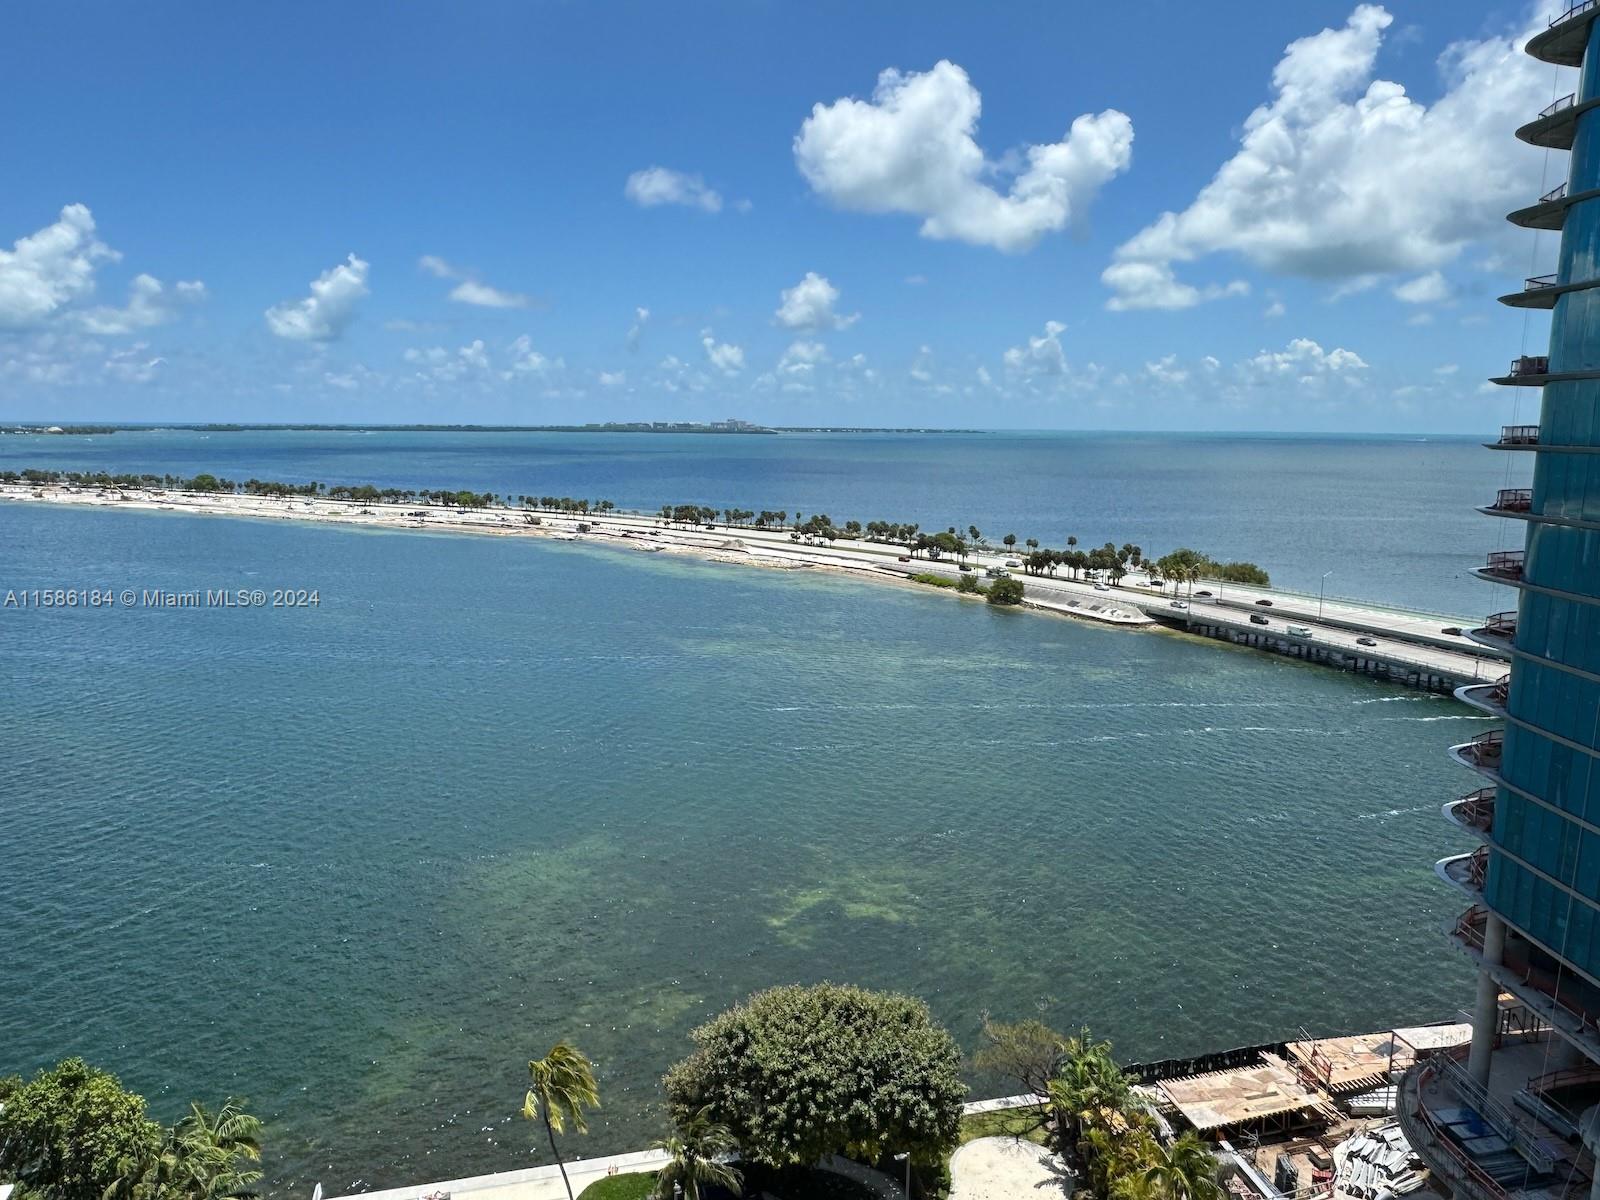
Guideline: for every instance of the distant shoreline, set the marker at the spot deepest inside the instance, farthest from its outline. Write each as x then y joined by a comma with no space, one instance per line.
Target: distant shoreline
716,427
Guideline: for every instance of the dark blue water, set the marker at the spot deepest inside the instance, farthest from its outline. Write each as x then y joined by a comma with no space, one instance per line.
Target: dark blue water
359,863
1391,517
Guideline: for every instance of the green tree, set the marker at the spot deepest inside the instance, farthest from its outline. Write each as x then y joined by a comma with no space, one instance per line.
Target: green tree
205,1156
1091,1091
1186,1170
72,1131
562,1087
1010,540
697,1157
1006,591
798,1073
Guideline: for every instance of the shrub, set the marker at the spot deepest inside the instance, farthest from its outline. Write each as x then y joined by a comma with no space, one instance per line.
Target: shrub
1005,591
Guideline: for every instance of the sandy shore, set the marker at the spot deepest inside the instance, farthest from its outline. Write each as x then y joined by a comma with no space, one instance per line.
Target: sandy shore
739,545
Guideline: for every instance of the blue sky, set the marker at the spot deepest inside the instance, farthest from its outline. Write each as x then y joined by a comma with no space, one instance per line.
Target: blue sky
570,212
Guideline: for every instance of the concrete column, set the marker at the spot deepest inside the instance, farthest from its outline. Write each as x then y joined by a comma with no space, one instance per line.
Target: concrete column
1486,1012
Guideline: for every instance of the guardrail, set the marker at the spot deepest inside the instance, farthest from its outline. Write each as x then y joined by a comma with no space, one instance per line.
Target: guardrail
1577,10
1559,192
1553,108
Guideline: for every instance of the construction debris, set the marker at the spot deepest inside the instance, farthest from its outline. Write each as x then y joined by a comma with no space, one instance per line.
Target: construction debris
1377,1164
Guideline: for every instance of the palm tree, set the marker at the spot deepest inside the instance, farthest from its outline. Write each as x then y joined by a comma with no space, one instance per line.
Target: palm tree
205,1156
1184,1171
563,1086
1091,1091
697,1152
215,1150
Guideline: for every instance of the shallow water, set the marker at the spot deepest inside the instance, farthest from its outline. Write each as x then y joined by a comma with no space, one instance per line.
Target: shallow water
358,863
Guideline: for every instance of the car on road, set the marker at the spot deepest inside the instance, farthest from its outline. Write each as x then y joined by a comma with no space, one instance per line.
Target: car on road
904,558
1180,604
1011,562
1202,593
1266,603
1158,583
1101,587
1365,641
1298,631
963,567
1259,619
997,573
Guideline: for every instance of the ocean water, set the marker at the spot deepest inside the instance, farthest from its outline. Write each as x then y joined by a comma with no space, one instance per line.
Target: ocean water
359,863
1391,517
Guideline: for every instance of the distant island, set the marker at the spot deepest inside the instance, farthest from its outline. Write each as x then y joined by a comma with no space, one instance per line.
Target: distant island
732,425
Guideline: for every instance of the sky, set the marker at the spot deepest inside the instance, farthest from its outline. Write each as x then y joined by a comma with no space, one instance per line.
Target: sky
1168,216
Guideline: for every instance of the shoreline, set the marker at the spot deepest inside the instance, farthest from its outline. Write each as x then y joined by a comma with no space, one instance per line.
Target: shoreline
643,533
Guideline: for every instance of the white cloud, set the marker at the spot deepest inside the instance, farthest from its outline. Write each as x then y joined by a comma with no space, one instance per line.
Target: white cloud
149,304
1342,175
1447,369
525,360
654,186
912,149
641,318
808,305
1167,371
328,310
1041,355
48,270
1424,289
470,289
727,358
613,379
134,364
1302,361
1274,310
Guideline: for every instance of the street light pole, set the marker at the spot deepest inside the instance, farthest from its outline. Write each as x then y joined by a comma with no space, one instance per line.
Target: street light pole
1321,588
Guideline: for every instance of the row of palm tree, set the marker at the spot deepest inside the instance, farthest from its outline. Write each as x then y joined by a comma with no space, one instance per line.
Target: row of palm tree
205,1156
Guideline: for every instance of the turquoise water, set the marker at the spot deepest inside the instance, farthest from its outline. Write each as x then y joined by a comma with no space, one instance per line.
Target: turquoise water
1391,517
358,863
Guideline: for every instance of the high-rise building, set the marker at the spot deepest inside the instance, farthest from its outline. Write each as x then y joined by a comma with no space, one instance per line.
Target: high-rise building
1521,1114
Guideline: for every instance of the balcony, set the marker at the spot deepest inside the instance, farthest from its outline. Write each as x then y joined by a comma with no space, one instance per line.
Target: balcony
1482,753
1538,291
1548,212
1498,631
1474,812
1555,126
1466,872
1553,991
1531,370
1512,500
1517,437
1564,42
1487,697
1504,566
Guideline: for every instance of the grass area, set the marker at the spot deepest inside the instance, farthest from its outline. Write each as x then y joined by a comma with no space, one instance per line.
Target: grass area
1003,1122
943,581
620,1187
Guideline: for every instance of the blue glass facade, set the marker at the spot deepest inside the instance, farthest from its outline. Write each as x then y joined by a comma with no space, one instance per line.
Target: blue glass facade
1544,858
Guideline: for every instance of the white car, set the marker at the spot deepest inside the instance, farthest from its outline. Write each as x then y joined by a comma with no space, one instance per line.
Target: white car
1180,604
1101,587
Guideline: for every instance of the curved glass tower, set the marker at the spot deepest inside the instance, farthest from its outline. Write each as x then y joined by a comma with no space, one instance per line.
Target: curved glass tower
1519,1115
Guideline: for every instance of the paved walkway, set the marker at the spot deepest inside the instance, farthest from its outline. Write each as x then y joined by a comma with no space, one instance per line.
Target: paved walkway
1005,1168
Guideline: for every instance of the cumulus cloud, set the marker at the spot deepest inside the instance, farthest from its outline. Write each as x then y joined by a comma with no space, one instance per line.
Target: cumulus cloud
525,360
727,358
913,149
149,304
134,364
655,186
1302,361
611,379
48,270
1040,356
1341,175
470,289
328,310
808,305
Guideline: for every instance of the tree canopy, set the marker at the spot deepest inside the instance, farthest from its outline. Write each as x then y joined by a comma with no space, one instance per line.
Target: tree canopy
800,1072
72,1131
